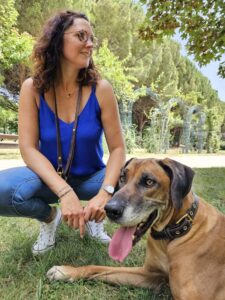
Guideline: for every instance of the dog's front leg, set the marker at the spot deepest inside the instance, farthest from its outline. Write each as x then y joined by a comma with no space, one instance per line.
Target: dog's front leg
128,276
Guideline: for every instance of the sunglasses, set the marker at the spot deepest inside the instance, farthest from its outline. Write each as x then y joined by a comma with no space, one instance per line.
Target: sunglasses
83,37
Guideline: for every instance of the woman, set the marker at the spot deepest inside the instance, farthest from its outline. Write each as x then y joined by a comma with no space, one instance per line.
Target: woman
64,72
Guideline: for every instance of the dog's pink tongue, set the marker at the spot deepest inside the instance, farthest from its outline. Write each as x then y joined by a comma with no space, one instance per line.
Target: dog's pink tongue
121,243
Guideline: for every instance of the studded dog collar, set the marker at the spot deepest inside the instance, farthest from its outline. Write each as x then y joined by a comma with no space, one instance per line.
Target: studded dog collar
181,227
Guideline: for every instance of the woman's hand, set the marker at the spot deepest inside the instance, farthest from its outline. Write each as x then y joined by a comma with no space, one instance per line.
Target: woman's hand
95,208
73,212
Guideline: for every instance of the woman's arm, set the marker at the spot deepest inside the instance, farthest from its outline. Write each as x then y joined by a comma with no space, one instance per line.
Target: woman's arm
28,128
113,133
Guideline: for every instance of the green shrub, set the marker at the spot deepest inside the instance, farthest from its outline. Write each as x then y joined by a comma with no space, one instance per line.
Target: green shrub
129,134
222,145
151,140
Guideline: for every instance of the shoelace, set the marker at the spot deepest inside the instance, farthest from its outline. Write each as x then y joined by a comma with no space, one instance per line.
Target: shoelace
96,229
44,231
99,229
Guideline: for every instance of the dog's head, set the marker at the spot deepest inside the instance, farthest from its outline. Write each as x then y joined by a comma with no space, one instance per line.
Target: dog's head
148,187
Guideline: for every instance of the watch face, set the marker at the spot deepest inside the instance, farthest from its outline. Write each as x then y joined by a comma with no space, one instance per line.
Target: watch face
109,189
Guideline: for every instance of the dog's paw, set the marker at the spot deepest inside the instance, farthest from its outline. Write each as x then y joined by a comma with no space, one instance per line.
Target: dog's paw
58,273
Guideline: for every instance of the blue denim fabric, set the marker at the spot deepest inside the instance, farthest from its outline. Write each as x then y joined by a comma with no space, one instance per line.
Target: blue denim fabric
23,194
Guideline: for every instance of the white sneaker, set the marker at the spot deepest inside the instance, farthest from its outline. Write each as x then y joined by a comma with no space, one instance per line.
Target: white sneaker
96,231
46,238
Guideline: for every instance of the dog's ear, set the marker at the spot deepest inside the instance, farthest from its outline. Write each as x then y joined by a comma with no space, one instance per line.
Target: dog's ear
127,162
118,185
181,178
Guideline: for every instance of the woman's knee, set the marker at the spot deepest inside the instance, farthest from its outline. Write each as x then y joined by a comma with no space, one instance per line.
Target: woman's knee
15,179
17,185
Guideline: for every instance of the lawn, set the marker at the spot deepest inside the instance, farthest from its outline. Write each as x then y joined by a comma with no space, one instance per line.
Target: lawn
22,276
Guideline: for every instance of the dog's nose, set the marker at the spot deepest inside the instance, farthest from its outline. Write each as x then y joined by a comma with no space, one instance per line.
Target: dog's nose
114,209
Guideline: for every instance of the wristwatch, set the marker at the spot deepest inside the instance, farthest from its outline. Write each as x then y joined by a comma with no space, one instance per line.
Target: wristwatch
108,188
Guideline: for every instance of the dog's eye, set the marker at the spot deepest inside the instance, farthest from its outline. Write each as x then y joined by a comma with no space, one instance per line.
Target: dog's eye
122,178
148,182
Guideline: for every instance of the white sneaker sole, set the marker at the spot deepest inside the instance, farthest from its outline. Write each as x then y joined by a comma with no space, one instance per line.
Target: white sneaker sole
41,252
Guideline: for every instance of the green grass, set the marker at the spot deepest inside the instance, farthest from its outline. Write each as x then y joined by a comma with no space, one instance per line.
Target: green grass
23,277
210,185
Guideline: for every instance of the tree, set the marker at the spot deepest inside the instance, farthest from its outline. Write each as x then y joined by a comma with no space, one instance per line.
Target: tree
113,69
214,122
15,48
200,22
36,12
118,25
8,121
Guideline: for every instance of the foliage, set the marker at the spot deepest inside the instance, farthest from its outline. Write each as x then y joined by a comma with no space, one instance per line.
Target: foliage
8,104
125,59
8,16
129,134
151,134
191,98
222,145
120,24
151,140
120,20
221,71
213,122
201,23
184,81
156,63
114,70
15,47
36,12
8,121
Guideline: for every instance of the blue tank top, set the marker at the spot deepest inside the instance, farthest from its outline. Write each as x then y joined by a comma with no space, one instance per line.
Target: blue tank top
88,156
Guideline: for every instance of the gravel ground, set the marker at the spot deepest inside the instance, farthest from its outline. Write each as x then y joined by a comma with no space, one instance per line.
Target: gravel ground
194,161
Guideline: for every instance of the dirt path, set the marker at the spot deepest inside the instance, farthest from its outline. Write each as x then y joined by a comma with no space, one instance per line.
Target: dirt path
194,161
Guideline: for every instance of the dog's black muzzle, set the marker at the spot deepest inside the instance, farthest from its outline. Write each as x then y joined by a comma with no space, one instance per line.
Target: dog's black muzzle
115,208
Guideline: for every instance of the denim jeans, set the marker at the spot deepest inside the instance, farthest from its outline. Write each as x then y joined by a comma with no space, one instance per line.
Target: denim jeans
23,194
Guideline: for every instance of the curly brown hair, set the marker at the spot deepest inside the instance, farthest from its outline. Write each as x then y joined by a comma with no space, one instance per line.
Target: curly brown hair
47,52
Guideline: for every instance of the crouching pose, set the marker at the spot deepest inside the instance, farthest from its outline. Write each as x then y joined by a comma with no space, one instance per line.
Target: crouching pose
63,110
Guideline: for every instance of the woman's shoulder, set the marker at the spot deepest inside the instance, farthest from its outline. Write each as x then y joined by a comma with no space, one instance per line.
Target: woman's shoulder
103,89
103,84
28,90
104,92
28,85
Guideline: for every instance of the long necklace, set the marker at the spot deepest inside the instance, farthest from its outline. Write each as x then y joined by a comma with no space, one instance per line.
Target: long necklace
65,172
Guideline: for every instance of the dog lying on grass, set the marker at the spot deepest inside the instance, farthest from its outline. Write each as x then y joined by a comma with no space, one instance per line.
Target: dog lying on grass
186,241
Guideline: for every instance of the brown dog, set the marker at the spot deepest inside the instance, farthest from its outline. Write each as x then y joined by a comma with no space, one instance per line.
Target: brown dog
186,244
